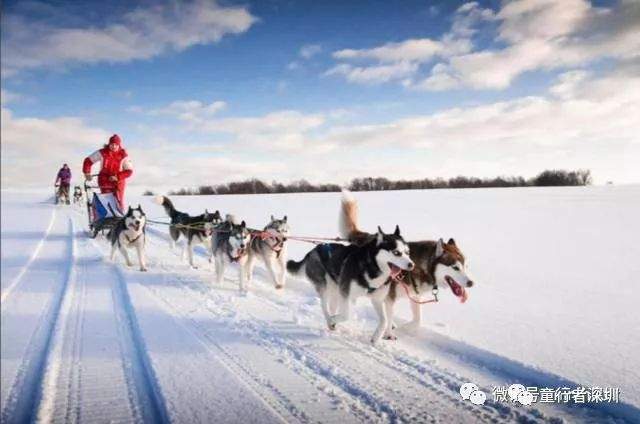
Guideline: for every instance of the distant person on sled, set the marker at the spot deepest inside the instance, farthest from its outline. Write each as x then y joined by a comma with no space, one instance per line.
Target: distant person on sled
114,171
63,181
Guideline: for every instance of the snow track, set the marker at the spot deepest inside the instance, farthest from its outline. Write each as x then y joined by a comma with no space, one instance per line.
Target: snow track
359,381
29,317
6,292
86,340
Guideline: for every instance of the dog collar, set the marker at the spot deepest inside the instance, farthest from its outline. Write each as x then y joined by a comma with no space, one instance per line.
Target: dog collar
134,240
371,289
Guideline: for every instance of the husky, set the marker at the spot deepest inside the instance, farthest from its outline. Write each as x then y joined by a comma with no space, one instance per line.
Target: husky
272,249
438,265
77,195
196,229
229,244
129,232
342,273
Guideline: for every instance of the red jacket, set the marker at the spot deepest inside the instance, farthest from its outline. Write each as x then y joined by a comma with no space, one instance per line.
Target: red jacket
113,164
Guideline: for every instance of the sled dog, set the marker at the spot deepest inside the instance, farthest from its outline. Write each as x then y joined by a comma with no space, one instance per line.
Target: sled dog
272,249
437,265
196,229
129,233
342,273
77,195
229,244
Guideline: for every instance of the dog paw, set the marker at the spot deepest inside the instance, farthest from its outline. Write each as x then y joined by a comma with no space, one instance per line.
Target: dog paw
143,269
332,326
279,286
390,337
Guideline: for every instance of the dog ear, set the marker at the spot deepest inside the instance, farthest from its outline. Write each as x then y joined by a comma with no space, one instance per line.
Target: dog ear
439,248
451,242
243,224
397,231
139,208
129,210
272,218
379,236
285,218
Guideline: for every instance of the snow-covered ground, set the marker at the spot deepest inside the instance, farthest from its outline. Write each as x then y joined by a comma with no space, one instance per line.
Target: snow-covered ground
554,305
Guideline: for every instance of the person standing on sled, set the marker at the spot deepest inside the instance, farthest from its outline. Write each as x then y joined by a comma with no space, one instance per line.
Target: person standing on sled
116,168
63,179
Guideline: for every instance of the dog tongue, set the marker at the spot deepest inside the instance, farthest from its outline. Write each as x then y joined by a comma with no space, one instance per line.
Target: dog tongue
458,290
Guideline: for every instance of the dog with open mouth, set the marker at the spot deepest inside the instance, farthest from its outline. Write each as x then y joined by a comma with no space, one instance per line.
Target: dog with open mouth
230,244
272,249
342,273
129,233
438,265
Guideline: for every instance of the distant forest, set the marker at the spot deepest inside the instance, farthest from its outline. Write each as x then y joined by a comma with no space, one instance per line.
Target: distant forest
580,177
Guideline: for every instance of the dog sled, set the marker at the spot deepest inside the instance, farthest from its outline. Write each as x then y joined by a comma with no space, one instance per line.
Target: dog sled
103,212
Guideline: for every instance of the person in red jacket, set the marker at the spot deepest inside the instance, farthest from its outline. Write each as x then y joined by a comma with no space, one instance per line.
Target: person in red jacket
116,168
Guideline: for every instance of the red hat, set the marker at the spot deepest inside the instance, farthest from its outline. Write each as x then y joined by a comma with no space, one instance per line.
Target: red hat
115,139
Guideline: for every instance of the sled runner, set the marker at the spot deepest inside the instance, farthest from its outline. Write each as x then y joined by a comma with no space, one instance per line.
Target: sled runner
103,211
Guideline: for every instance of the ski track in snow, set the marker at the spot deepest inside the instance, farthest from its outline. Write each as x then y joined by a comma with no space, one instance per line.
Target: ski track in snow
101,342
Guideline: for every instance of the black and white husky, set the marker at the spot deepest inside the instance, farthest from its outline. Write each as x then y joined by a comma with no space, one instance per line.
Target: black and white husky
196,229
77,195
229,244
438,265
342,273
271,249
129,233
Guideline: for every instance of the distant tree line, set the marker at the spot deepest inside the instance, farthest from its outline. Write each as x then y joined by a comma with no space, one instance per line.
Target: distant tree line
580,177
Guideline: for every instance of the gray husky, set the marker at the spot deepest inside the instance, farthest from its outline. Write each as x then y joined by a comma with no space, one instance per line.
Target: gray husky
438,265
272,249
129,233
342,273
229,244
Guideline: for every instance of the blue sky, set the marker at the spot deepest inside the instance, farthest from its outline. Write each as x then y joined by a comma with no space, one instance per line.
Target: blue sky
207,92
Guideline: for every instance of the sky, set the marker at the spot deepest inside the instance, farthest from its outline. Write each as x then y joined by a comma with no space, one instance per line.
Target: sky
207,92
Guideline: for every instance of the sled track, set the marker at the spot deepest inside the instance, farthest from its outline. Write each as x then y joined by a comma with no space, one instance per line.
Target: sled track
143,392
366,398
340,372
261,384
16,280
25,390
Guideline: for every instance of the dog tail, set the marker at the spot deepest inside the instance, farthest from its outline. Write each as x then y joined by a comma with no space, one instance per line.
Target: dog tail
167,205
294,267
348,220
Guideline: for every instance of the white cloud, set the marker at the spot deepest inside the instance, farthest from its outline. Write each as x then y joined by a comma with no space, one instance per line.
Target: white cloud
285,130
33,149
193,111
583,122
544,34
309,50
374,74
396,61
140,34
